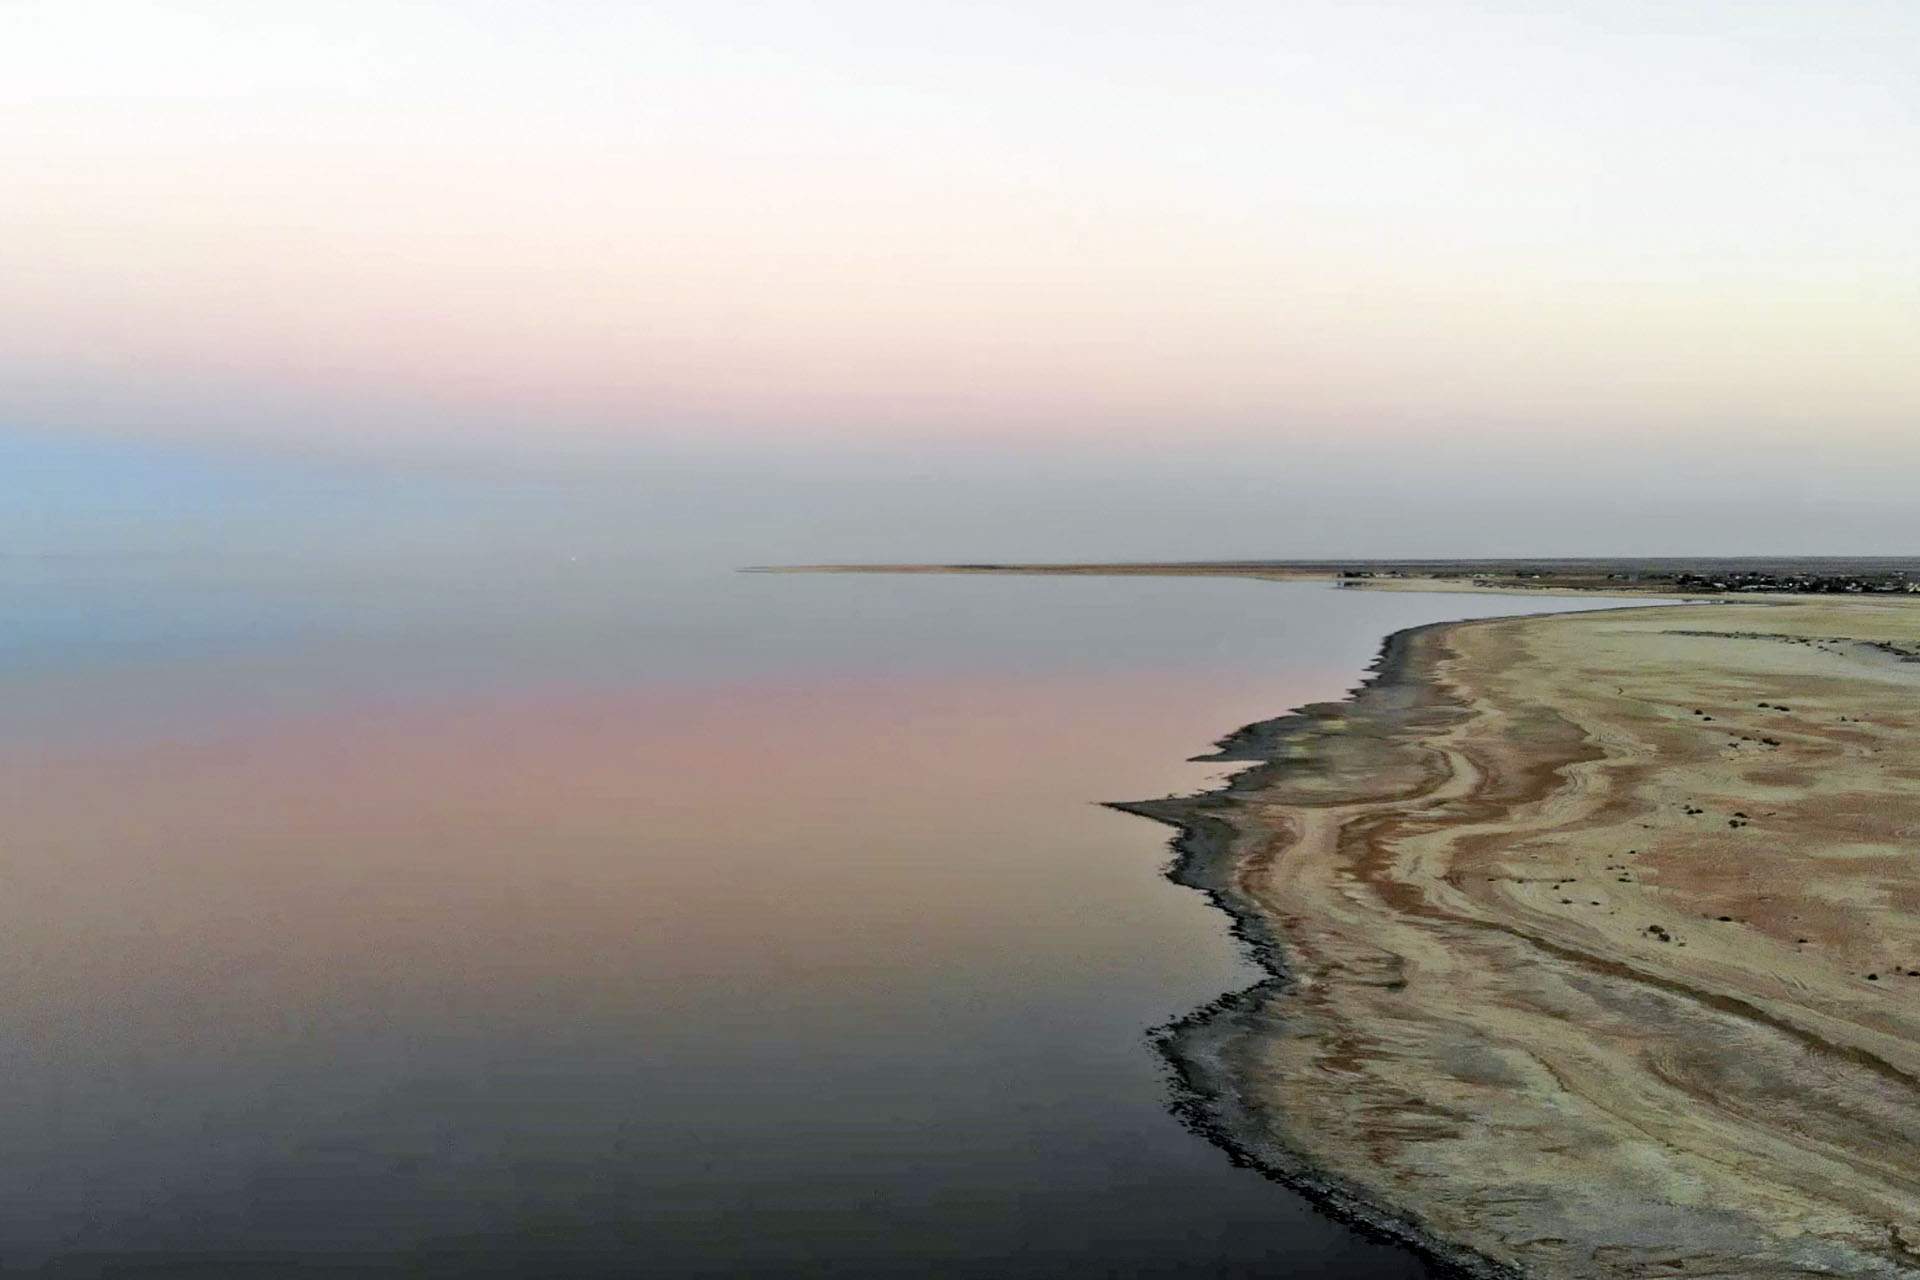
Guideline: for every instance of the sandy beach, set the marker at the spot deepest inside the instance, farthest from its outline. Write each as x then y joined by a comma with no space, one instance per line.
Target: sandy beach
1595,943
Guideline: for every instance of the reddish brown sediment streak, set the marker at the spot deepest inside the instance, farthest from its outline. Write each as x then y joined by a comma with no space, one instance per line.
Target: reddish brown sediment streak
1599,944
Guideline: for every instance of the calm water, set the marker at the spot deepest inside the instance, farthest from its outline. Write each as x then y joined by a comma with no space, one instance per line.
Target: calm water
592,919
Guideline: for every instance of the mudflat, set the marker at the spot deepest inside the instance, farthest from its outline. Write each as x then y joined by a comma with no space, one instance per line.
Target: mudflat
1596,942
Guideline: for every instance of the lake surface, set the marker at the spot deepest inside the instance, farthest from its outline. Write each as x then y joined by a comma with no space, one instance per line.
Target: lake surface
595,918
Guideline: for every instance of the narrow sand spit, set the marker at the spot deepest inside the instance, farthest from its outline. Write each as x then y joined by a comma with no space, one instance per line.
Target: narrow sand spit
1597,943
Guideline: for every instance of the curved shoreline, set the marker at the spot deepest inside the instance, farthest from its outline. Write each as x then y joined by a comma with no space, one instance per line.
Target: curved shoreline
1390,835
1204,860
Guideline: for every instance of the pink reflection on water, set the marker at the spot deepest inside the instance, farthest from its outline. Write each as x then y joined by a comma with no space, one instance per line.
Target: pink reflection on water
519,854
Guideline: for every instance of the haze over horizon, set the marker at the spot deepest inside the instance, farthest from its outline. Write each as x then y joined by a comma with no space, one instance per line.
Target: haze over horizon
750,282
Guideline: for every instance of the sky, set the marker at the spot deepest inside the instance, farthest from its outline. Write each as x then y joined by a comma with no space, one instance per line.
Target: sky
773,280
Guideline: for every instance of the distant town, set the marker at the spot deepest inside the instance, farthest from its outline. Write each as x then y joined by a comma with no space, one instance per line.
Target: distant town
1801,584
1890,582
1695,581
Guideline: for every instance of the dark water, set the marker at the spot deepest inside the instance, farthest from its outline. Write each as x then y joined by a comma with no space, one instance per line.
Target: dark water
567,918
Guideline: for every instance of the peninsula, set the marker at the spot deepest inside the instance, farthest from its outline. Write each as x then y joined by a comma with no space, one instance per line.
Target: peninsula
1594,938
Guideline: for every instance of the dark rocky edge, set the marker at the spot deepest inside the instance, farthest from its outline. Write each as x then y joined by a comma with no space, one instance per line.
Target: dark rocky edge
1205,1050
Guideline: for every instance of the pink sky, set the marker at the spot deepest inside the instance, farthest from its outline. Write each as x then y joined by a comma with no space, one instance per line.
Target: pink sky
862,222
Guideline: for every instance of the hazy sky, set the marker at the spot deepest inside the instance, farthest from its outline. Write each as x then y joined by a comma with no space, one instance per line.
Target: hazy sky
845,279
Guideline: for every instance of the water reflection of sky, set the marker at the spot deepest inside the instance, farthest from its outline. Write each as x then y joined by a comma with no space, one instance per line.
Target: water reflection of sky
753,922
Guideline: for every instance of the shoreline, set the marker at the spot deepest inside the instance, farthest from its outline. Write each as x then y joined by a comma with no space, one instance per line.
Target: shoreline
1390,756
1739,578
1204,860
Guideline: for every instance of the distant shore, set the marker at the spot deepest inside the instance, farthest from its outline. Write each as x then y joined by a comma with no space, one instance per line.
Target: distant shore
1816,576
1595,943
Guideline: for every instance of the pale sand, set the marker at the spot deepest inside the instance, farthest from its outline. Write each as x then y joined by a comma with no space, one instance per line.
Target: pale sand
1597,936
1513,1024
